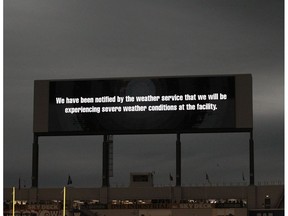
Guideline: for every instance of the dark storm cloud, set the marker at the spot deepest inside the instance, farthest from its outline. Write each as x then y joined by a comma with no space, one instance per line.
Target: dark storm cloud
126,36
91,39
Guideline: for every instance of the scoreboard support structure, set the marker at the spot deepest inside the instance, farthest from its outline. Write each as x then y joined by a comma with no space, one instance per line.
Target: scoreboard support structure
251,161
107,140
105,160
35,161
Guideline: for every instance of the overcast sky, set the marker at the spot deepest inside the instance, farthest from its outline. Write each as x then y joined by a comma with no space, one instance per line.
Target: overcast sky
52,39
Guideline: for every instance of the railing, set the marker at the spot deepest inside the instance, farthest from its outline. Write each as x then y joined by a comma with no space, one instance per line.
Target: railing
212,184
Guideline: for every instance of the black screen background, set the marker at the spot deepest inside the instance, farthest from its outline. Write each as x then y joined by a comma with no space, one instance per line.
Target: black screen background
142,122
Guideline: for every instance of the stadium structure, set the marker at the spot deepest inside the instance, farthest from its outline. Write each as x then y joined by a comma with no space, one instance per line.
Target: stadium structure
157,105
143,199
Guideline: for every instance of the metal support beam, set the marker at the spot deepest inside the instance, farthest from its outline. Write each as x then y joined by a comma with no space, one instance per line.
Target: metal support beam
35,162
178,160
251,152
105,162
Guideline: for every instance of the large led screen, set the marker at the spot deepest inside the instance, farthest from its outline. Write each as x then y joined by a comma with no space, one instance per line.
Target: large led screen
141,105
